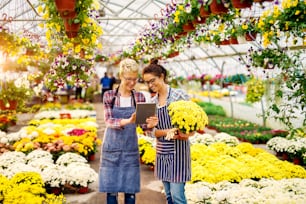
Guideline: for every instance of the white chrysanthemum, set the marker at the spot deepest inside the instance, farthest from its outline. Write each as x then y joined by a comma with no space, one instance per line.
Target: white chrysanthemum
54,175
69,157
80,175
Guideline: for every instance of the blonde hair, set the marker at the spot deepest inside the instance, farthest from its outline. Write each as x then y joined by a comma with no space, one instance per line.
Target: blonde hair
128,65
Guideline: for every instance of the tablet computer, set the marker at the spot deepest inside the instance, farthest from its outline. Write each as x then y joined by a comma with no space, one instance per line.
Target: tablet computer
144,111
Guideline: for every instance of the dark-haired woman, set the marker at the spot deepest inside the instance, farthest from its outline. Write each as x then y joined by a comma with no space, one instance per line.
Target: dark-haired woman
119,167
173,163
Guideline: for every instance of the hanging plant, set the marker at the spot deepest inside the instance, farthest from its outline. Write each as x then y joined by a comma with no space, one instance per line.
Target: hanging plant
69,70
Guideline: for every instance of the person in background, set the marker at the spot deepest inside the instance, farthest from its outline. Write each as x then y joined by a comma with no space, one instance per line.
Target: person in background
106,84
113,80
78,92
120,167
173,162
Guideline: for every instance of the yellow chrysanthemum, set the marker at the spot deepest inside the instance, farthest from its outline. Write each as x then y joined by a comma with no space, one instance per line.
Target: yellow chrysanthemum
187,116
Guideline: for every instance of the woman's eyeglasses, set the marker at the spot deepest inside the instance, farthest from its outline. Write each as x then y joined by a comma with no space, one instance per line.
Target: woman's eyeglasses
151,81
130,79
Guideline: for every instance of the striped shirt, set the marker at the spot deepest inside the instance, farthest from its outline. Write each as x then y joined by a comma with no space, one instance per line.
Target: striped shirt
173,162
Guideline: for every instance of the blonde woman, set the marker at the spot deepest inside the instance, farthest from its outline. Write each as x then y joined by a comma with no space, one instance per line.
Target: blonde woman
120,168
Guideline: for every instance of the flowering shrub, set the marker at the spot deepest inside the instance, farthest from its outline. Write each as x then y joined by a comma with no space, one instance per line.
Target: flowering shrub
187,116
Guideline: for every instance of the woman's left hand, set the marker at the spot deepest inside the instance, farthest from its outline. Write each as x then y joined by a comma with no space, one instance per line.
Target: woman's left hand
152,121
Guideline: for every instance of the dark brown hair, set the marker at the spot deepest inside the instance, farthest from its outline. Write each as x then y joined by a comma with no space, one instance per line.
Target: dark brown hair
155,69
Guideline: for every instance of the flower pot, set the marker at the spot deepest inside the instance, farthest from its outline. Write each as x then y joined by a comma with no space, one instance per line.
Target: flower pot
199,21
174,54
233,41
217,8
250,36
91,157
65,116
70,26
68,14
83,190
225,42
285,156
53,190
10,105
29,52
240,4
56,190
279,154
180,35
203,12
188,27
71,34
65,5
297,160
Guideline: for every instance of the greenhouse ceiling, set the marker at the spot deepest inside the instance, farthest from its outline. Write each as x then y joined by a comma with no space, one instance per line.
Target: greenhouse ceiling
122,22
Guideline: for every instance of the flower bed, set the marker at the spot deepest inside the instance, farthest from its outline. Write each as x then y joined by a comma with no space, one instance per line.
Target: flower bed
244,130
221,171
69,170
26,187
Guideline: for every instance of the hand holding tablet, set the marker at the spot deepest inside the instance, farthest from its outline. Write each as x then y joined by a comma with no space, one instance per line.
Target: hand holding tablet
144,111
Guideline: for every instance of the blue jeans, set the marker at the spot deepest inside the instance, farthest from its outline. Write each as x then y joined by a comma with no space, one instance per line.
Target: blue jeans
175,193
112,198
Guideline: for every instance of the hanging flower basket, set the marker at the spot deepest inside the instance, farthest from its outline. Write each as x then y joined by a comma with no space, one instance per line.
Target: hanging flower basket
197,21
203,12
188,27
225,42
71,34
71,26
68,14
250,36
233,41
10,105
65,5
173,54
240,4
217,8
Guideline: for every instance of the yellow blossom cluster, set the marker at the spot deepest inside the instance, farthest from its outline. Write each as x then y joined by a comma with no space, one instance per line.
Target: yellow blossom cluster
187,116
26,187
220,162
255,90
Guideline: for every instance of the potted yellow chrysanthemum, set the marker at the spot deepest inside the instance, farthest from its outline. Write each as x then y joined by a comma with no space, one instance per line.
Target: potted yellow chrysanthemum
187,116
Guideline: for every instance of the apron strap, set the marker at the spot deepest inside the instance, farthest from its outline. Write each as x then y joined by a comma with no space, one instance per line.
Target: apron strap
114,98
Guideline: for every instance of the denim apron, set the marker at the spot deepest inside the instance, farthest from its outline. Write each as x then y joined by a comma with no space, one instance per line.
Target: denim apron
120,168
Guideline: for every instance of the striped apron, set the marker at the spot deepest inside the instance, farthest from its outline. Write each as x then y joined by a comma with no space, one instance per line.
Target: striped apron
173,163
